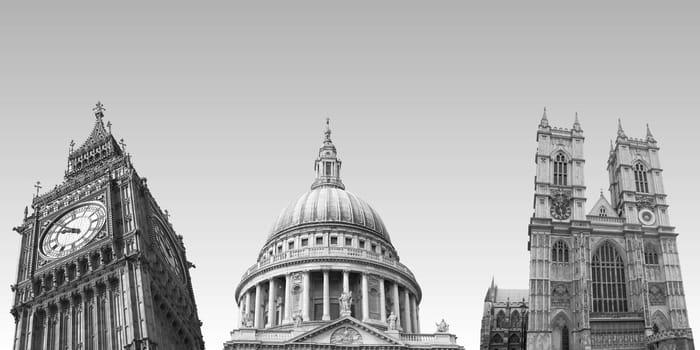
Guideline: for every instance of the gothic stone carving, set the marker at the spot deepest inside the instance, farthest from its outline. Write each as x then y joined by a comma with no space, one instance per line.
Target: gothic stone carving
645,202
560,295
560,204
657,294
346,335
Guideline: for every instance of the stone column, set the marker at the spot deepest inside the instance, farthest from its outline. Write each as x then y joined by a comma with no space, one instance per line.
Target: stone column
247,301
326,296
414,314
30,329
271,303
305,302
108,316
288,299
58,317
69,325
18,330
397,307
346,281
407,311
382,300
45,329
365,298
258,311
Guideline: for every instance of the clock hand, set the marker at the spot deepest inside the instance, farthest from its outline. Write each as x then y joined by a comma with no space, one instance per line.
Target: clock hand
70,230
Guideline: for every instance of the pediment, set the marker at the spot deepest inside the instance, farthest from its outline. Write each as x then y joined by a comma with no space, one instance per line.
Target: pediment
346,331
603,203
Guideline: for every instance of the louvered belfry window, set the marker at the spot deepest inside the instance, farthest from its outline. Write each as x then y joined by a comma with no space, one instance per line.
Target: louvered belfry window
640,178
561,170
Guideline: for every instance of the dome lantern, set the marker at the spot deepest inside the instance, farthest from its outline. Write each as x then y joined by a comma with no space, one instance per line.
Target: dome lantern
327,165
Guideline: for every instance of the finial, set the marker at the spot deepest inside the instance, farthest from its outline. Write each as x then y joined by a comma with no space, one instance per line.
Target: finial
72,146
38,187
601,192
327,130
620,132
167,215
109,127
123,145
99,109
650,137
544,123
26,213
577,125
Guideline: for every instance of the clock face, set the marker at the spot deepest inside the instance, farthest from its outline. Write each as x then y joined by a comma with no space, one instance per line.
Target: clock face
73,230
647,217
560,208
166,247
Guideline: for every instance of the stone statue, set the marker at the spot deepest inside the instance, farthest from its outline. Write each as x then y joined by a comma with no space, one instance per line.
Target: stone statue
248,320
443,327
298,320
345,302
391,320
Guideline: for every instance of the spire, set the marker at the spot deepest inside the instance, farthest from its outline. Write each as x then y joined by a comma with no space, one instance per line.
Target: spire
98,146
577,125
620,132
544,123
327,165
650,137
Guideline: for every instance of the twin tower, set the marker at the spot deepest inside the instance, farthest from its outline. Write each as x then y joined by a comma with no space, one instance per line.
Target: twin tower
604,278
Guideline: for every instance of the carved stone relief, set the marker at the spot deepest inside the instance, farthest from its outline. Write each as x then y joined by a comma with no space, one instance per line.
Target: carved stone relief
346,335
657,294
560,295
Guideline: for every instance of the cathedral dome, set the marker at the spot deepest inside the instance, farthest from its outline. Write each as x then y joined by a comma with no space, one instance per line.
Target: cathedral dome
330,204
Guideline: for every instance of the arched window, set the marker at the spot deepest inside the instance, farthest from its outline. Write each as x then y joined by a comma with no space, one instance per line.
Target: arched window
560,252
497,339
640,178
501,319
651,256
609,282
561,170
515,319
564,338
602,212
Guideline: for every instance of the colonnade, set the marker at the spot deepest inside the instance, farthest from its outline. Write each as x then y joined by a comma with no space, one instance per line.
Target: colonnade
312,295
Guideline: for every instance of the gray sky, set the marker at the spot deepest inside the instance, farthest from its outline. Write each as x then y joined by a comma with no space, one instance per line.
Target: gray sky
434,109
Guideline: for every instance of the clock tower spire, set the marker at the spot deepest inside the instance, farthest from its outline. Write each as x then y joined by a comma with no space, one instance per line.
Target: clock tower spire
100,267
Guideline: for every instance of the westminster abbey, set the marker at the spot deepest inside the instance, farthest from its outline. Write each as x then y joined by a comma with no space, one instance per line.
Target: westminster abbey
607,278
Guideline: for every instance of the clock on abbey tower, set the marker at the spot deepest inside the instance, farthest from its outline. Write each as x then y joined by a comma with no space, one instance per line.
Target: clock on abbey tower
100,266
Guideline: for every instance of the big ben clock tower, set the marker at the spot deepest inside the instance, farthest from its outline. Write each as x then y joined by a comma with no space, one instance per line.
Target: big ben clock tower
100,266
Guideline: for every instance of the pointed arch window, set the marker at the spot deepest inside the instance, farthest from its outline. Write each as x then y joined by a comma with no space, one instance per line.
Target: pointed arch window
651,255
560,252
497,339
609,282
561,170
602,212
501,319
640,178
515,319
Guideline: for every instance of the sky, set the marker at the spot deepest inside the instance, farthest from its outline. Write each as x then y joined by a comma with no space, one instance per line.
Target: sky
434,108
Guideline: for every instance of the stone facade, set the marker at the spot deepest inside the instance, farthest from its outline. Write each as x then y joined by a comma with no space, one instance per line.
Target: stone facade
609,278
328,276
504,323
101,267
